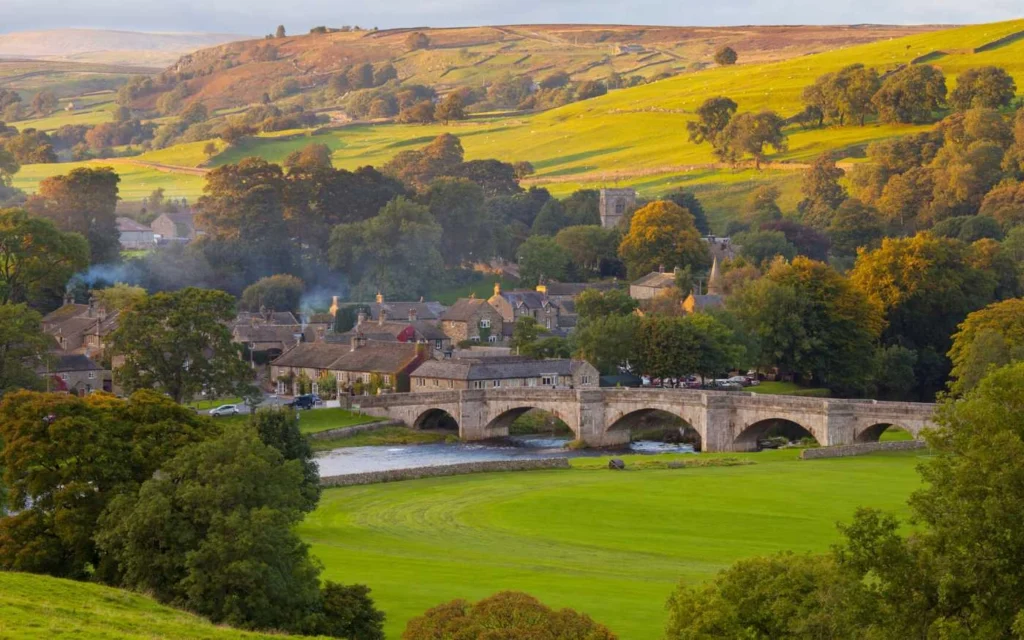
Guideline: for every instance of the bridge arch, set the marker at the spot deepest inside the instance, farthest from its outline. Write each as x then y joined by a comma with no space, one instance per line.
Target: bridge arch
436,418
749,436
640,419
502,417
874,432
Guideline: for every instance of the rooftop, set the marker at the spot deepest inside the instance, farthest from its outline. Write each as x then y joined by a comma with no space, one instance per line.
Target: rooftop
494,368
656,280
464,309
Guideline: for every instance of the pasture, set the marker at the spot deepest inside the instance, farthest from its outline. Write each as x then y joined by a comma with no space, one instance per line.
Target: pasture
611,544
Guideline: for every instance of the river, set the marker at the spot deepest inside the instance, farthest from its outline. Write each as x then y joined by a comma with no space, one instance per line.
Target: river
382,458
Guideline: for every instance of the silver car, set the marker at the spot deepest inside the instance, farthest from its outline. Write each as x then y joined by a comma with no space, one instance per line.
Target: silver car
224,410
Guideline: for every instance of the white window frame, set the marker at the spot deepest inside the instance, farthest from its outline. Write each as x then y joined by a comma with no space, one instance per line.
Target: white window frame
492,339
92,375
495,383
485,323
65,377
548,380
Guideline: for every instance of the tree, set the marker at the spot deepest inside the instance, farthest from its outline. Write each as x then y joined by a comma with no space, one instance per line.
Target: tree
550,220
593,304
361,76
541,257
675,347
119,297
1005,203
713,115
606,341
590,89
688,200
396,251
508,614
210,149
23,347
854,225
989,87
384,74
810,321
808,241
214,532
496,178
44,103
522,169
802,597
312,156
925,286
905,196
555,80
968,229
844,94
419,167
763,246
281,292
662,234
589,246
725,56
419,113
822,191
458,206
582,207
279,428
66,457
180,343
84,202
894,373
417,40
911,95
749,133
30,147
451,108
763,206
8,167
194,113
988,338
36,260
279,33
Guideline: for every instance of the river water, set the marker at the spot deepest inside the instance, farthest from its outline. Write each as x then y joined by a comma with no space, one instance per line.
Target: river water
383,458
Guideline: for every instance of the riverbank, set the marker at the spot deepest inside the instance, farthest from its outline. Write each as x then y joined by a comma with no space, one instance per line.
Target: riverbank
612,544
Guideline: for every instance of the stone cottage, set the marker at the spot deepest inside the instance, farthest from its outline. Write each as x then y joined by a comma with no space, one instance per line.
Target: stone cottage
472,319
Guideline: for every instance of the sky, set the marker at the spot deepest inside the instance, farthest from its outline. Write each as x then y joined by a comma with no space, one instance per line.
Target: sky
256,17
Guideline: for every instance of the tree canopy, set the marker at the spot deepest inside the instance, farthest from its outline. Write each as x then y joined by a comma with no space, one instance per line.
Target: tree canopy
662,234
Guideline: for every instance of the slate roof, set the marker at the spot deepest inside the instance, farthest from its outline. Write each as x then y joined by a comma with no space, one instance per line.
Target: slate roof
66,311
525,298
127,225
274,317
389,331
66,363
428,310
285,334
320,318
495,368
657,280
374,356
709,301
312,355
463,310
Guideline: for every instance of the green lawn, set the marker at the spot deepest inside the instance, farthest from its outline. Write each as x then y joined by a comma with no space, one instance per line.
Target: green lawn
204,405
771,387
612,544
320,419
34,607
481,287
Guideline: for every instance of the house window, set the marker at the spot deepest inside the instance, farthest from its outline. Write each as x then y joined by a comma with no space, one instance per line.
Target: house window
475,339
496,383
435,382
478,384
64,377
620,207
316,388
531,382
451,384
547,381
585,380
485,323
492,339
387,378
92,375
438,345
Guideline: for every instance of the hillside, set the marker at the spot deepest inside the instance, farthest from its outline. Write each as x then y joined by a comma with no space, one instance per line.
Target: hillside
238,73
633,136
34,606
130,48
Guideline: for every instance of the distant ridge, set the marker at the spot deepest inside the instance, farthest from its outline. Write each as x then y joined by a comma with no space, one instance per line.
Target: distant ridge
108,45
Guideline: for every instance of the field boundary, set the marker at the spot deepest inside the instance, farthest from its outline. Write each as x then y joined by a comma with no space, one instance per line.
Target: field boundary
415,473
845,451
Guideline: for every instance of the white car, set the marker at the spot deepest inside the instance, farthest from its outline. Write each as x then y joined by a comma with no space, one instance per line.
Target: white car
740,380
224,410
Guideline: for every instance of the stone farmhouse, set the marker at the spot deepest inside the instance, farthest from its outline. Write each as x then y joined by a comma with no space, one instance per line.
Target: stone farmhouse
473,319
134,235
410,330
652,285
76,374
81,329
504,372
513,305
178,226
269,333
431,311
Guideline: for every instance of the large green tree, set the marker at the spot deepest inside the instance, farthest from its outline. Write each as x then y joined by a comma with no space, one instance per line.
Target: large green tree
396,251
989,87
713,116
986,339
589,246
458,206
822,191
277,293
911,95
36,259
23,347
675,347
809,320
66,457
83,201
749,133
180,343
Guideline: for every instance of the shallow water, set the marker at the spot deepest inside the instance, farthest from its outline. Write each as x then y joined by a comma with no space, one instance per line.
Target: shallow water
382,458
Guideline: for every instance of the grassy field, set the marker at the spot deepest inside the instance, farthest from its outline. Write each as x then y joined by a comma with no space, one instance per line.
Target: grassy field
770,387
396,435
482,287
34,606
319,419
612,544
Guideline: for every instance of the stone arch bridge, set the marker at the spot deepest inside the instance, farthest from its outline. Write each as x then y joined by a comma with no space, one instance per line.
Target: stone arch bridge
725,421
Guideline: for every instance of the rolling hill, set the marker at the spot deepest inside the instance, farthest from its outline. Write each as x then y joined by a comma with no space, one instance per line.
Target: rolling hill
633,136
33,606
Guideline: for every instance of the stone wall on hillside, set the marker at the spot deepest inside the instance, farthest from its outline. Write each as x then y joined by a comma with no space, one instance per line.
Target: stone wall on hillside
843,451
392,475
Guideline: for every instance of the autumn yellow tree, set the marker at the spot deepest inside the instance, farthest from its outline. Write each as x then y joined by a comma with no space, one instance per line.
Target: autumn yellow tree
663,234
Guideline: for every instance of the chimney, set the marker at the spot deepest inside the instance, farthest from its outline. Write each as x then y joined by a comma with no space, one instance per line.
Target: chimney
360,317
69,298
380,298
355,341
497,288
412,314
383,316
92,307
661,268
334,306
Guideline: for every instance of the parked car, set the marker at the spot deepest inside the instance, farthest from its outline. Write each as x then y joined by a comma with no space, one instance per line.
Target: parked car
224,410
743,381
307,401
728,385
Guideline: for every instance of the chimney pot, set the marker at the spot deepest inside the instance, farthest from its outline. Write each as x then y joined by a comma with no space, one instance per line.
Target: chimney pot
661,268
412,314
382,318
380,298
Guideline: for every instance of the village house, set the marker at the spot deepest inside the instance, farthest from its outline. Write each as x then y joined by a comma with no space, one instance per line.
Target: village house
503,372
80,328
513,305
409,330
652,285
76,374
713,299
429,310
355,365
134,235
563,295
177,226
266,334
472,319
